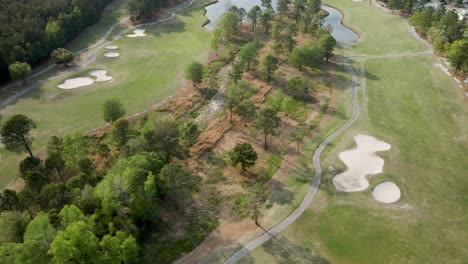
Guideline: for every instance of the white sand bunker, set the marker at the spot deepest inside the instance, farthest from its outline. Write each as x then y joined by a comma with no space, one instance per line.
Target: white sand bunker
361,161
111,47
101,75
386,192
137,33
357,0
76,83
111,54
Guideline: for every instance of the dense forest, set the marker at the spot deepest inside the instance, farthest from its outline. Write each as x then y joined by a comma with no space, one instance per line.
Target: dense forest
31,29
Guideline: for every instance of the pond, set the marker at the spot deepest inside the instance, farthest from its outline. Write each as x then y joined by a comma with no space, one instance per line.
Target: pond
333,20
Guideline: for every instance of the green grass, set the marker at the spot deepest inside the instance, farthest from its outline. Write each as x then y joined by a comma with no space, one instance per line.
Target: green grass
418,110
379,33
272,164
148,70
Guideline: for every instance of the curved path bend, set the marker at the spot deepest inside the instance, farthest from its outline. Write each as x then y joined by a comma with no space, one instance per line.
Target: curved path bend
316,158
315,181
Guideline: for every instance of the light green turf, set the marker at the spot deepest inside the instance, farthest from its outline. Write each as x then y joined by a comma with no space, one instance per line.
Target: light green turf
148,69
379,33
421,112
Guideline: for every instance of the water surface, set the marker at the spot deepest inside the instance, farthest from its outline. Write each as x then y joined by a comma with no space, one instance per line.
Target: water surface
333,20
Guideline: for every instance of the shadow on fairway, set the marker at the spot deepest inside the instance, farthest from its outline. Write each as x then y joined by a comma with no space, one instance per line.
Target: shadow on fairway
285,251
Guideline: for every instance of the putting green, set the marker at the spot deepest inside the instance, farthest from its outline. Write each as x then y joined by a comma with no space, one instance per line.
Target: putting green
149,69
421,112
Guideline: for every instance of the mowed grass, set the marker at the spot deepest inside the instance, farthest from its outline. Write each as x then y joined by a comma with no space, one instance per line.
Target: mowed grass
421,112
423,116
148,69
379,33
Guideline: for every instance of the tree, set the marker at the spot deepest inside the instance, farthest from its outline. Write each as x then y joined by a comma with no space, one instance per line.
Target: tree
267,122
119,248
247,54
131,184
236,94
8,200
458,55
297,87
12,226
253,15
15,134
309,55
33,173
282,8
181,183
165,139
19,71
54,34
216,40
228,24
327,43
54,196
62,56
265,19
194,72
113,109
266,3
244,154
276,32
235,74
36,241
275,101
297,135
120,131
246,110
55,145
277,48
55,164
75,148
289,41
75,244
269,66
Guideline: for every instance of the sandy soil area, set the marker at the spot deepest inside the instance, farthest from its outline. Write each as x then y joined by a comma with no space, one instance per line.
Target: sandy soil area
386,192
137,33
76,83
360,161
101,75
111,54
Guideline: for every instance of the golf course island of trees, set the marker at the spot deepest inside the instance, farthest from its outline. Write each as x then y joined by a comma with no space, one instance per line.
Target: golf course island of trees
146,190
233,151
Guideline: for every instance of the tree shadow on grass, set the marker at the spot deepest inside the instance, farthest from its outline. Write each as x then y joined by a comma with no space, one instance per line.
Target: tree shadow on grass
280,195
285,251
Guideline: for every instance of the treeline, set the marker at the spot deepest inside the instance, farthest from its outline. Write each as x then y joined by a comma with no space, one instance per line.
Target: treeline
31,29
98,199
445,31
141,9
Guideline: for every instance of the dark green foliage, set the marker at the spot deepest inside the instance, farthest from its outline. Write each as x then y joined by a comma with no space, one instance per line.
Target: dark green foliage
181,183
244,154
113,109
164,139
310,55
33,173
120,132
15,134
326,43
19,70
269,66
32,29
62,56
267,122
8,200
194,72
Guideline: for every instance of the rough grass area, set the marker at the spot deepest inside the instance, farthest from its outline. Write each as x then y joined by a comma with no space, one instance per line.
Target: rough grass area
148,69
